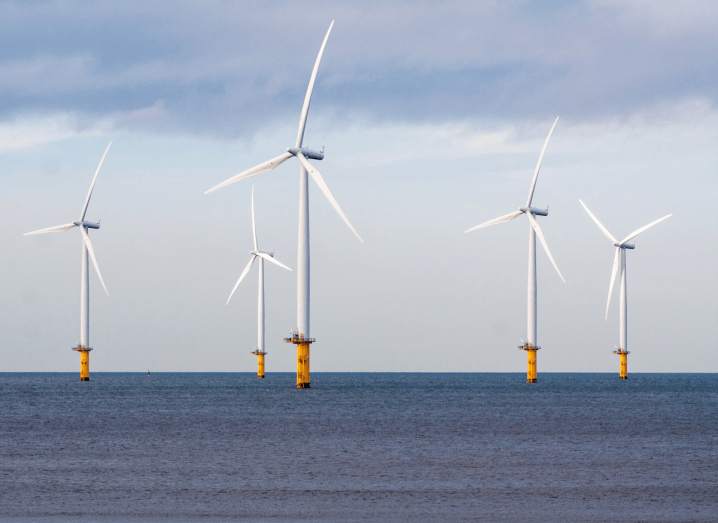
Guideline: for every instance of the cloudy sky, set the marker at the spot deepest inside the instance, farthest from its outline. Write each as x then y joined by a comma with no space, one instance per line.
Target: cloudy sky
433,117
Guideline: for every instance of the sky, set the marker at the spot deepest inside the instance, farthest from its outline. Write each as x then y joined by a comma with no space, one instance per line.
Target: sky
433,116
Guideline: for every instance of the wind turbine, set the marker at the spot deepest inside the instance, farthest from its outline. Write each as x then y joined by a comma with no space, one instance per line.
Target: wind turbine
530,346
300,336
84,346
621,247
269,256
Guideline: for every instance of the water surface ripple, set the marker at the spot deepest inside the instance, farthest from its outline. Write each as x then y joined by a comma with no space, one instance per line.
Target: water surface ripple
359,447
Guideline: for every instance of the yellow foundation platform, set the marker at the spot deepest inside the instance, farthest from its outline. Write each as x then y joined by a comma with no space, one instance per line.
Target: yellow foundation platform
260,363
302,344
84,361
531,361
623,354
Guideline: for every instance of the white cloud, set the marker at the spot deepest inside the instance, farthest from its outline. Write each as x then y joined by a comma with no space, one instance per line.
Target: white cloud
29,133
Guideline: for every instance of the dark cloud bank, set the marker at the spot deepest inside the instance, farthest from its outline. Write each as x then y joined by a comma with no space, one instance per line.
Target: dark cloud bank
228,69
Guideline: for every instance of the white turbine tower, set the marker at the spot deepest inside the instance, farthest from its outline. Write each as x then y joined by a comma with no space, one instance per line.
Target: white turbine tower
84,346
620,259
301,336
531,344
269,256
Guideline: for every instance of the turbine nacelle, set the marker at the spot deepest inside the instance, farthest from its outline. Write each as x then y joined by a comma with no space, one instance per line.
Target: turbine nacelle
308,153
88,225
626,246
534,210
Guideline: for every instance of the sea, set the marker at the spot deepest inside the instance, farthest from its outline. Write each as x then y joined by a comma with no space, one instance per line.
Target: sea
358,447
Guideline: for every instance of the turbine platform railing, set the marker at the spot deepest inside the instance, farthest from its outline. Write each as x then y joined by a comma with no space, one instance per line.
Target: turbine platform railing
528,346
299,338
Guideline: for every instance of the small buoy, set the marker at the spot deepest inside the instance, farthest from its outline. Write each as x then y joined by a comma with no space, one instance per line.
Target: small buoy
148,372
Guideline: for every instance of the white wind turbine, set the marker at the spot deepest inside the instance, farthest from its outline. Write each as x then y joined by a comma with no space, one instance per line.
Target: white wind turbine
302,336
621,255
534,230
269,256
84,345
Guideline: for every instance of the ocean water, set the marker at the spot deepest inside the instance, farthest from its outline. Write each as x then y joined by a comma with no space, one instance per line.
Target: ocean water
359,447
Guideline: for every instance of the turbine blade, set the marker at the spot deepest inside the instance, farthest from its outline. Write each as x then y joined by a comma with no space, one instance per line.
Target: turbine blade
308,97
317,176
57,228
539,233
639,231
92,255
538,166
500,219
244,273
259,169
254,229
600,225
613,279
92,186
269,258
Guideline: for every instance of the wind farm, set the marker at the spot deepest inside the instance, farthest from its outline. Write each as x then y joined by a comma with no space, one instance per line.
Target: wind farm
531,344
83,347
301,335
427,119
619,261
269,256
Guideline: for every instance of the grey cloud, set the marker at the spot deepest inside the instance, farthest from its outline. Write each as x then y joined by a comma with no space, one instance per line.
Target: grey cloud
230,69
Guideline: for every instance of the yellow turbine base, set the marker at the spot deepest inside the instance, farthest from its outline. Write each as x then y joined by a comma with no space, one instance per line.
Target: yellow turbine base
302,365
624,365
260,363
84,362
623,354
302,344
531,360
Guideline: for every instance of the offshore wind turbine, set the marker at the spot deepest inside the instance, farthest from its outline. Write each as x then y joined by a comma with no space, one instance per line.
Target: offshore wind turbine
84,346
531,344
620,259
269,256
301,335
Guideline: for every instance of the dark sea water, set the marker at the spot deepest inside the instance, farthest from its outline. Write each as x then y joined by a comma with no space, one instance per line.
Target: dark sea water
359,447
